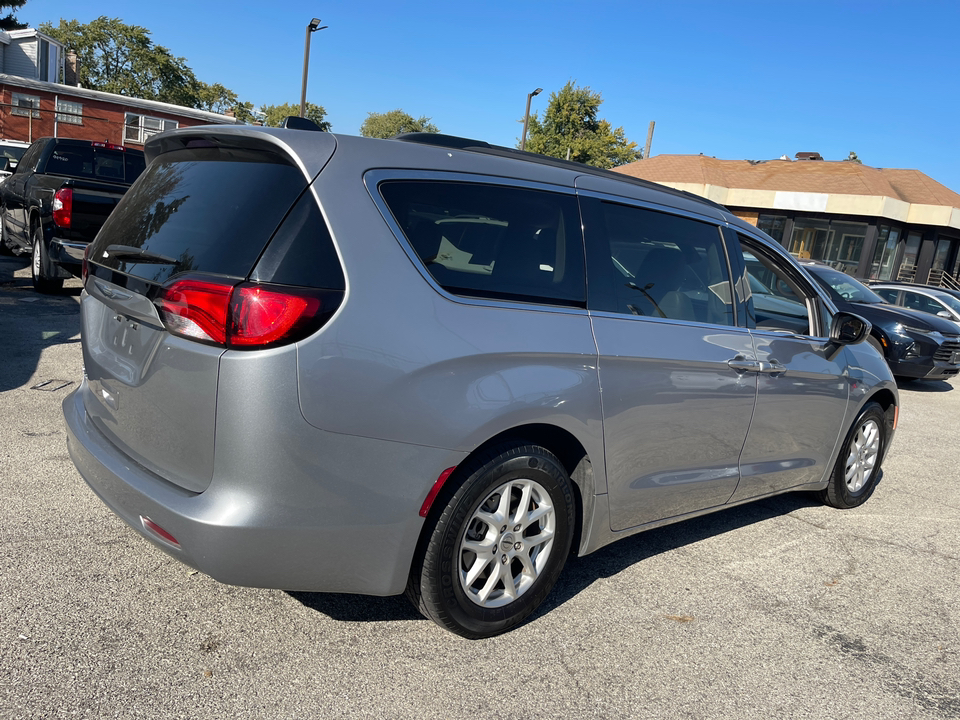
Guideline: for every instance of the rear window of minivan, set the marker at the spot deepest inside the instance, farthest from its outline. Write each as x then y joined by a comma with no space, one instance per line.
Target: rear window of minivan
493,241
212,210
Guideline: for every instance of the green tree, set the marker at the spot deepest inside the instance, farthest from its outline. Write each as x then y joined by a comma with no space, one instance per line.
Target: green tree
273,115
571,123
10,22
219,99
388,124
119,58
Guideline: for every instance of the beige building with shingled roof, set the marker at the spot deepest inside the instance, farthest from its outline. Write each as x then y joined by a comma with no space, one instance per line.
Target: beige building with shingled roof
881,223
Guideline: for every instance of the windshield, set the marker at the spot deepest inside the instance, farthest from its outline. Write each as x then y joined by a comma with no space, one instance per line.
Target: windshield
12,152
843,287
757,287
950,301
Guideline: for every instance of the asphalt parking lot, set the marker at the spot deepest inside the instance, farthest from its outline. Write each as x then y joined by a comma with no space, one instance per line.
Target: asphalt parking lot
783,608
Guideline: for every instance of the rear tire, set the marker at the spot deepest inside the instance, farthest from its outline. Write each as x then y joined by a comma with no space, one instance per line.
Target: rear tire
43,271
497,544
858,466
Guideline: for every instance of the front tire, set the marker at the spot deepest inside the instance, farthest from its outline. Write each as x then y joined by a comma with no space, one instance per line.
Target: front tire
494,550
858,466
42,270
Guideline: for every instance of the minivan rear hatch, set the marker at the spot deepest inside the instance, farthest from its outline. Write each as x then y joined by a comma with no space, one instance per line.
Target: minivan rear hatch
205,209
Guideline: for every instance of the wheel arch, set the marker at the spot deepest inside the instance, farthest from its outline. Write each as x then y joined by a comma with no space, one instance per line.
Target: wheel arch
562,443
888,401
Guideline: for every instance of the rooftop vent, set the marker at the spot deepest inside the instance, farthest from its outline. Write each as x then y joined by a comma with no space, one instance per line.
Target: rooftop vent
808,156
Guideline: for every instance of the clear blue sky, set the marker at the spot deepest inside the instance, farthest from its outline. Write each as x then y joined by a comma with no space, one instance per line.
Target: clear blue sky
751,80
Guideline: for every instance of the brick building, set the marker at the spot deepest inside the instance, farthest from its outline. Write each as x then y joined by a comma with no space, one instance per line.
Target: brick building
34,104
882,223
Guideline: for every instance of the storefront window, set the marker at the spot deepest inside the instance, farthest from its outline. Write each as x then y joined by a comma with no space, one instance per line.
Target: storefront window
809,238
942,254
886,251
838,244
772,225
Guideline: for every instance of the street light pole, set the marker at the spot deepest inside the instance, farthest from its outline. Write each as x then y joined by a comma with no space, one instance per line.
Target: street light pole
526,118
311,28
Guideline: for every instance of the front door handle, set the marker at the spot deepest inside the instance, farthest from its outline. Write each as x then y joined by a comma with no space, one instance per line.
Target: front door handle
743,364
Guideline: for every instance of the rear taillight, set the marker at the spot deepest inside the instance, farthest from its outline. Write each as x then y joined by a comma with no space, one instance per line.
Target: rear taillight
63,207
196,309
259,316
245,316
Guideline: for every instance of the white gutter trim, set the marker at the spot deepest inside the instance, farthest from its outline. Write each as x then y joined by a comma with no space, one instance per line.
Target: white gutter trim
130,102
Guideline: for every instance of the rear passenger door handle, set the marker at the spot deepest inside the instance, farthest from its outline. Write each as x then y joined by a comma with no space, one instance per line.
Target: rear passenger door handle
742,364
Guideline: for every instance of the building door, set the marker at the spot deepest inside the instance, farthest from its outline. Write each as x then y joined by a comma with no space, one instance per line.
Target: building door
885,253
908,263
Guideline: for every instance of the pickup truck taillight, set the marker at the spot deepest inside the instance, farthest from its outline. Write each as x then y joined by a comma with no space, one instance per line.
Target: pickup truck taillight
63,207
245,316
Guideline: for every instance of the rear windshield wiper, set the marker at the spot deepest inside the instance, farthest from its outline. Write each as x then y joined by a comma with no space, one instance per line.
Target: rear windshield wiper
141,255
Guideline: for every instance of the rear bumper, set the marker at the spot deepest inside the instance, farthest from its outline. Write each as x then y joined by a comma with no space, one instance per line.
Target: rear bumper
349,524
68,254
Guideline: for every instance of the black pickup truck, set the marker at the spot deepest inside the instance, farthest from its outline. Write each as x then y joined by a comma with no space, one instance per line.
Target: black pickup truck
57,199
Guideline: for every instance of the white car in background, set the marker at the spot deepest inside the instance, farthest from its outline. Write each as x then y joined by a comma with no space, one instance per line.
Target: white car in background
935,301
10,153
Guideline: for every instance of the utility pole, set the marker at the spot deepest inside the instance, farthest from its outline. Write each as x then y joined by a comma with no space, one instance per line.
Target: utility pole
646,150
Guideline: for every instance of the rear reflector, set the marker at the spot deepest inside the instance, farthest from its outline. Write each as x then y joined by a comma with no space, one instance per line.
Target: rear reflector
151,527
435,490
244,316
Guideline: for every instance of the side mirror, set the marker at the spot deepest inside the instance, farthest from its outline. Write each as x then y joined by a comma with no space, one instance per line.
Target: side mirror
849,329
945,314
7,165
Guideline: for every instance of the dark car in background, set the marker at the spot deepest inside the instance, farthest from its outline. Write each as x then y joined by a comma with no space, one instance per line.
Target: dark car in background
915,344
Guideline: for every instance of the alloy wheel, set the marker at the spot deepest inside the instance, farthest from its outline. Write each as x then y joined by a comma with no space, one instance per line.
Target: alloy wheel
863,456
507,543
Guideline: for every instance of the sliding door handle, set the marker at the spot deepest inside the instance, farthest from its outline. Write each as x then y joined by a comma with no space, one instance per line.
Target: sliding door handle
772,367
743,364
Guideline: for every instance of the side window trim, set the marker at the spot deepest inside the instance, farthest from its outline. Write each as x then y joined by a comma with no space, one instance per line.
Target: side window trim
813,299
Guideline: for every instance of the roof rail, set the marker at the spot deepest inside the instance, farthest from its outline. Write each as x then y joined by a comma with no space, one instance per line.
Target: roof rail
485,148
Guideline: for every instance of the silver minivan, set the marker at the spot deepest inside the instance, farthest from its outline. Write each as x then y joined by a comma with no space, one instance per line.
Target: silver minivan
430,365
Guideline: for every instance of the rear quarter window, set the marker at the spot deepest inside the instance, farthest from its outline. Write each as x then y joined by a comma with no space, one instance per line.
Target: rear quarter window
493,241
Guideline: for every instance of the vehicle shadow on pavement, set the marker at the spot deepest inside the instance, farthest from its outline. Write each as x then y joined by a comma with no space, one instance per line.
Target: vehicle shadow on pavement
924,386
358,608
30,322
580,572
